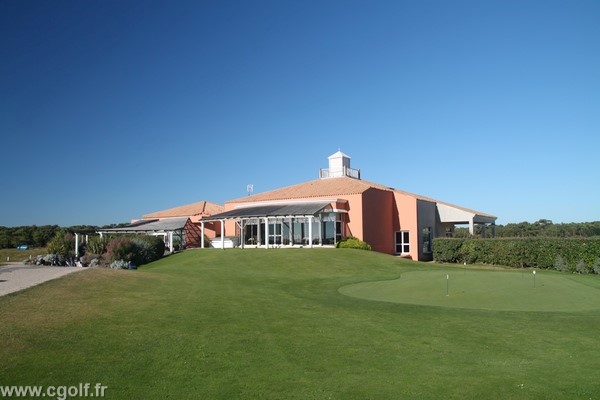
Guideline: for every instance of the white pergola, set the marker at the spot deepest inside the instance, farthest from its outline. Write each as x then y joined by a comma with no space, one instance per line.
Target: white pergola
268,213
167,228
462,216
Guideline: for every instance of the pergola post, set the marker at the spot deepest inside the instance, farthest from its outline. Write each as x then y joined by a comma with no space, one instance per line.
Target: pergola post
320,232
310,223
242,233
202,234
222,234
471,227
76,244
258,235
266,232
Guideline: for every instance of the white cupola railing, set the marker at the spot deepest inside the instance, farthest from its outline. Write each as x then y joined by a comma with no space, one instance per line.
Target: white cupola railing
339,165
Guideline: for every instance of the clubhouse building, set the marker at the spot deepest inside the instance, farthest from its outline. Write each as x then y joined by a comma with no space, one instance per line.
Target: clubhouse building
321,212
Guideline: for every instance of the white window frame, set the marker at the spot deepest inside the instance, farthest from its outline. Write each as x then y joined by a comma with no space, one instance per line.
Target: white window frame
404,242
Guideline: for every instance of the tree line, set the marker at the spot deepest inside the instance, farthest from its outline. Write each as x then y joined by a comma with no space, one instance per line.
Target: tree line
540,228
39,236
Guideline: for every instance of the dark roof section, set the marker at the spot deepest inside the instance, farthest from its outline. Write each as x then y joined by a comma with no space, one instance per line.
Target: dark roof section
140,222
152,225
273,210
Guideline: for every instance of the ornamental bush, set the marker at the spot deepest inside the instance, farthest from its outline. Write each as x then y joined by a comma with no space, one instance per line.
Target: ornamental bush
560,264
353,243
96,245
62,244
119,264
580,267
120,248
136,249
147,249
596,266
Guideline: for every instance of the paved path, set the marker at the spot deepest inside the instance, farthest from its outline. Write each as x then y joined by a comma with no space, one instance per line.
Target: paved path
17,276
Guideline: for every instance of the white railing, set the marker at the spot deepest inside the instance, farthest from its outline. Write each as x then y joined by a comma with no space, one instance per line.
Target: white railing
346,171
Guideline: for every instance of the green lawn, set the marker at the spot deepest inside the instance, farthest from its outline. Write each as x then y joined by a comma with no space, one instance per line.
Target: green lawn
547,291
20,255
274,324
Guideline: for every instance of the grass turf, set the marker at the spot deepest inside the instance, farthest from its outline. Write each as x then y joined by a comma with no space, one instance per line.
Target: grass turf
485,289
272,324
14,255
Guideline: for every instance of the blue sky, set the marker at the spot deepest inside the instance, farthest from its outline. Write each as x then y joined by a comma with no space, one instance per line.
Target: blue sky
111,109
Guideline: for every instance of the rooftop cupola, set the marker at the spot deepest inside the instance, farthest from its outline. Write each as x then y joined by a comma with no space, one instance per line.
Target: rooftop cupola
339,165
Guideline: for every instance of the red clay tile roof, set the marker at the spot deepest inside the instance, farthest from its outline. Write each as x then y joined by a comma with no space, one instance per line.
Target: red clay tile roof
333,187
188,210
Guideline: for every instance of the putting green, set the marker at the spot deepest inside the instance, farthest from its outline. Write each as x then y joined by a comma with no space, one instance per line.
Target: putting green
489,290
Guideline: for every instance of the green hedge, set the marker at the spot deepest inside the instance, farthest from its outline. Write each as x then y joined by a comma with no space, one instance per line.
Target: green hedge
520,252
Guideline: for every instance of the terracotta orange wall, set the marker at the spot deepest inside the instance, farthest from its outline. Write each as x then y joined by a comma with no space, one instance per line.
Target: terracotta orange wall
354,218
378,221
230,228
211,229
230,225
406,220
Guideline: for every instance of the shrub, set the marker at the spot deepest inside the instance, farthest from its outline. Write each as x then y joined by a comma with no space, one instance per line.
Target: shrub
147,249
119,264
62,244
596,266
121,248
136,249
580,268
96,245
353,243
90,259
560,264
